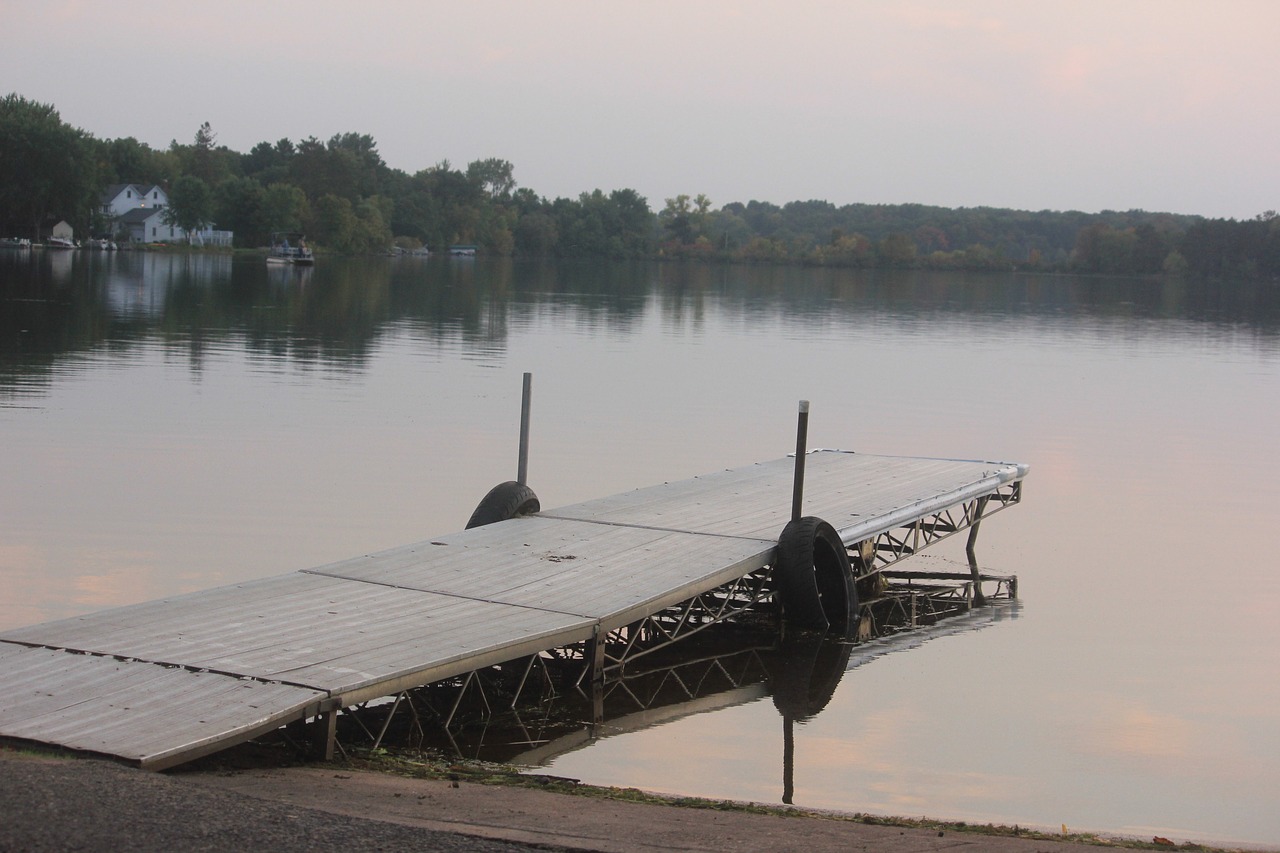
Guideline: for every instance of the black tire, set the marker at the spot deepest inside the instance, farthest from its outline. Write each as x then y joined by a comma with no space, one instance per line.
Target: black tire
814,577
504,501
804,674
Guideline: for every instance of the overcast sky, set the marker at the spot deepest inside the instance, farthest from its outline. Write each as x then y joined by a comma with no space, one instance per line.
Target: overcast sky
1165,105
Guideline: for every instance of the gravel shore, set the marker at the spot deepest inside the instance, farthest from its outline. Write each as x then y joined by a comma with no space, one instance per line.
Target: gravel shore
60,804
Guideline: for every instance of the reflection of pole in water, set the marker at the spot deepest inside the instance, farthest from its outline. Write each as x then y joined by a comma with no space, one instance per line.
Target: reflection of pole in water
806,669
803,676
788,760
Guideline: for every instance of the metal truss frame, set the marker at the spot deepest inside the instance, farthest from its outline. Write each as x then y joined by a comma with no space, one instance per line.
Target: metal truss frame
898,543
598,668
724,603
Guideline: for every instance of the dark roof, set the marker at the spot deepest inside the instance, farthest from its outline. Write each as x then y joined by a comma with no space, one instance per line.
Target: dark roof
139,191
114,190
139,214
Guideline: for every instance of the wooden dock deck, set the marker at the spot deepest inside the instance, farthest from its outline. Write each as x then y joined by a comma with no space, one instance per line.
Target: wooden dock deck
163,682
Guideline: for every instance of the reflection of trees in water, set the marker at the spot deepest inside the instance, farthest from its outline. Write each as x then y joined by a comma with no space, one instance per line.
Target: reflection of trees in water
924,294
333,314
60,303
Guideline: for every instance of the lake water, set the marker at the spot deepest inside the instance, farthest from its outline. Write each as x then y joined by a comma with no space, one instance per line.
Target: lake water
172,423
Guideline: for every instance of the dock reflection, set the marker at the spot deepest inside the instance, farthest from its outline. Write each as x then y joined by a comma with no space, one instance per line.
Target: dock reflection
730,665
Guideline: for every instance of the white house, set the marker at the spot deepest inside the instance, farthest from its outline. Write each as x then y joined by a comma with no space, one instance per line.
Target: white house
139,209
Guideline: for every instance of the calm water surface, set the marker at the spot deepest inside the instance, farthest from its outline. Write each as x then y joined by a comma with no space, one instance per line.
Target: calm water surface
174,423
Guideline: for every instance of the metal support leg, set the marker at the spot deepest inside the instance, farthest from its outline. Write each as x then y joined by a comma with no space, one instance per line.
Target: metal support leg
979,600
325,733
597,677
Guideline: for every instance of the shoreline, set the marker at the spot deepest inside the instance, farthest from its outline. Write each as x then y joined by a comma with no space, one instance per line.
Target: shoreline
56,801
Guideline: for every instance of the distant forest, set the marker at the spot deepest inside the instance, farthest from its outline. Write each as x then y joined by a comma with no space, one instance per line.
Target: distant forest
343,196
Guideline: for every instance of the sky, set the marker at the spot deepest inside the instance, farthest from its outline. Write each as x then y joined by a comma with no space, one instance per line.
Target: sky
1164,106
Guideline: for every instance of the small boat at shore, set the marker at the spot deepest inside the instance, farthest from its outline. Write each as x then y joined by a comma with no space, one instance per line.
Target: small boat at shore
14,243
59,243
290,248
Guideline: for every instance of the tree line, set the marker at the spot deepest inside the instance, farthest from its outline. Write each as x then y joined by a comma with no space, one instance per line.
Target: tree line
343,195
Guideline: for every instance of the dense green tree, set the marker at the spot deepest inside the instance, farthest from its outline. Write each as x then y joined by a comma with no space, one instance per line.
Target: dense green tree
676,219
268,163
458,202
727,230
536,234
1226,248
238,207
356,229
634,222
284,208
897,250
47,167
845,250
1086,255
494,177
1115,248
1270,249
761,249
129,161
348,166
190,204
203,158
417,212
1174,264
202,155
1150,249
374,214
334,223
616,225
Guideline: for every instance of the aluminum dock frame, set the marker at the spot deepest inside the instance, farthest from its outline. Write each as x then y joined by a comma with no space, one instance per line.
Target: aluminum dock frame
161,683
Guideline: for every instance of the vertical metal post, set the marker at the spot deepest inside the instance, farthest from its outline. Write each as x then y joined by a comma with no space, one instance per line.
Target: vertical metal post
526,401
325,733
598,637
980,506
802,444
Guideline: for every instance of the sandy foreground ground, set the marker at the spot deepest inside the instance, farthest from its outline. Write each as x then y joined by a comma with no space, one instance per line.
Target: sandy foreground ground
81,804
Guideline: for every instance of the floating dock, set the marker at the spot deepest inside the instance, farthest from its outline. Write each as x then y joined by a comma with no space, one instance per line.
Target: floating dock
161,683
